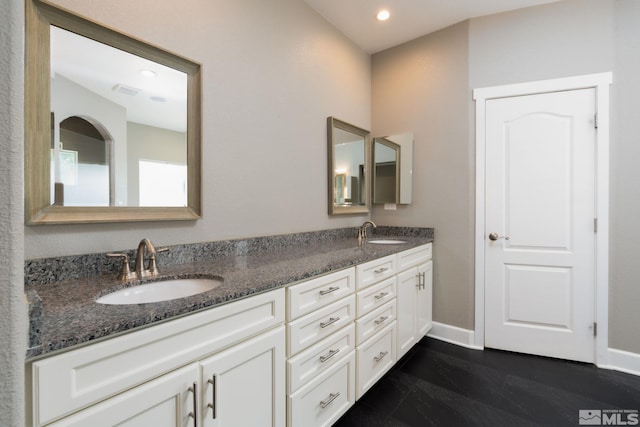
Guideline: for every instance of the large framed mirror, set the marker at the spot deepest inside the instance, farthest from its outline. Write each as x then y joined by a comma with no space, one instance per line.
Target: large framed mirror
112,124
393,169
349,153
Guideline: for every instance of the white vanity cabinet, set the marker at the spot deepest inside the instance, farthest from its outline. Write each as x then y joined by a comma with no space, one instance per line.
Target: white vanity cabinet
321,362
376,322
415,294
245,385
159,376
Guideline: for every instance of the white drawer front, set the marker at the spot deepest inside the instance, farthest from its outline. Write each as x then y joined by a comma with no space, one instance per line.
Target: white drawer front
308,296
72,380
414,256
375,296
315,326
377,320
320,357
374,271
322,401
375,358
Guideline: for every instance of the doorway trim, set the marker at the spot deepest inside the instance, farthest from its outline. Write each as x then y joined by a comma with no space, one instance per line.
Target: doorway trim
601,82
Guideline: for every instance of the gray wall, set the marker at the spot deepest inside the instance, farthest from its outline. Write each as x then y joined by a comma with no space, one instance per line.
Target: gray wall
422,87
562,39
13,327
272,73
624,297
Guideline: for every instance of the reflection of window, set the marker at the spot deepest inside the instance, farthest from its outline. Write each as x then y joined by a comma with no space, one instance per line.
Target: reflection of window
162,183
69,167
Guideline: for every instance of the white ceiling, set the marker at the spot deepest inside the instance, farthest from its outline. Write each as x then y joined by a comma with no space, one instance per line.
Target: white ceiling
409,19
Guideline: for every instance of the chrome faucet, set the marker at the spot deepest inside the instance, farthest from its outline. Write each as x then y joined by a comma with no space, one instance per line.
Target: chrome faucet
362,233
152,269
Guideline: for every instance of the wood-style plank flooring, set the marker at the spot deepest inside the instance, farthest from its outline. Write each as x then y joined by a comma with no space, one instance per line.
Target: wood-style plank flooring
441,384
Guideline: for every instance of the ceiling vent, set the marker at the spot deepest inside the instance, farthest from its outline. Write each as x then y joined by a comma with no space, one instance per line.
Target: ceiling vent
127,90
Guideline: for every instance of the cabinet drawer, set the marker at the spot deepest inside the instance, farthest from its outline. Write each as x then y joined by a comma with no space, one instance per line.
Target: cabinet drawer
308,296
315,326
322,401
375,296
320,357
75,379
414,256
375,321
374,271
375,358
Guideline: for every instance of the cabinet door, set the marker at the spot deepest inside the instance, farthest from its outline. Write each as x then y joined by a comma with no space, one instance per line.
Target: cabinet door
166,401
406,310
245,384
424,299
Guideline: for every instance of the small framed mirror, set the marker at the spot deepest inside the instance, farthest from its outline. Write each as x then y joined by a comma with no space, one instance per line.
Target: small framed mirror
112,124
393,169
349,152
386,171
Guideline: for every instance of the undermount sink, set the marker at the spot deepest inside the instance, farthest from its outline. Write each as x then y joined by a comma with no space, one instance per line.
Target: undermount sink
159,291
386,242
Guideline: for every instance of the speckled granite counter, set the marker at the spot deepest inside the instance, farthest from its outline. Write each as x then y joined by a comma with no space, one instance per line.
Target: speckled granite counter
63,313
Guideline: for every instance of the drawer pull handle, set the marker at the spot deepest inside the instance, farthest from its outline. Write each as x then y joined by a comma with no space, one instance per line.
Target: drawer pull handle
381,320
194,414
330,355
212,405
329,322
382,295
381,270
332,397
328,291
381,356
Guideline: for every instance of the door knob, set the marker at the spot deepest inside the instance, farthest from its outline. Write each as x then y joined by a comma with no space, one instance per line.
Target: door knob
495,236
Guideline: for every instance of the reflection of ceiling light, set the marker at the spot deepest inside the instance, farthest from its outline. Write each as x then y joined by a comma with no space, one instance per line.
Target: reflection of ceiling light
149,74
158,99
383,15
127,90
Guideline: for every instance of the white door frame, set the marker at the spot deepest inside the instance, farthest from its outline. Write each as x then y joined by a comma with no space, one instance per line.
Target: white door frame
601,83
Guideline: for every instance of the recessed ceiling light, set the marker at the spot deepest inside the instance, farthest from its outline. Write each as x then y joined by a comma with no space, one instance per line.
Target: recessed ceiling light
148,73
383,15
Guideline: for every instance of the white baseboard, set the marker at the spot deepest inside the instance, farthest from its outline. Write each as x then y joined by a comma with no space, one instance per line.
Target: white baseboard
618,360
623,361
453,335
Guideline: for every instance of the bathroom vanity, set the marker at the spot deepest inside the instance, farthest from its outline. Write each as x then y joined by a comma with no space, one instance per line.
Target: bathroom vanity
291,337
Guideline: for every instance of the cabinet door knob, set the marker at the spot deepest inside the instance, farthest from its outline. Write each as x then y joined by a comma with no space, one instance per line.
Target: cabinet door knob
328,291
194,414
380,356
213,405
329,356
329,322
332,397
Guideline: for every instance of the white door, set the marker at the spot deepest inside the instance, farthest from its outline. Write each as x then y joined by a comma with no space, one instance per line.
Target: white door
244,386
540,209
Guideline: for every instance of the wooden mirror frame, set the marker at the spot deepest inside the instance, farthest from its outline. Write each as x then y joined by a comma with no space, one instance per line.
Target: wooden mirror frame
333,123
40,15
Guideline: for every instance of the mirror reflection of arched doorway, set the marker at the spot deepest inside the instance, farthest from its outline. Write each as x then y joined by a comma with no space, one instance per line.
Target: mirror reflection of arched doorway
81,164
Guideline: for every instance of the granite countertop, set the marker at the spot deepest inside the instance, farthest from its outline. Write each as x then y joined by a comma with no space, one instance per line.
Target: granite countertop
65,313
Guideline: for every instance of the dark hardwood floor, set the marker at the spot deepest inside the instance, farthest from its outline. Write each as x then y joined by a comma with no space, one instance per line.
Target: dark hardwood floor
441,384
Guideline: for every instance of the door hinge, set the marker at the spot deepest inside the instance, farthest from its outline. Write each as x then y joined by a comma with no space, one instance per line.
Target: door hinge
595,225
595,329
595,120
